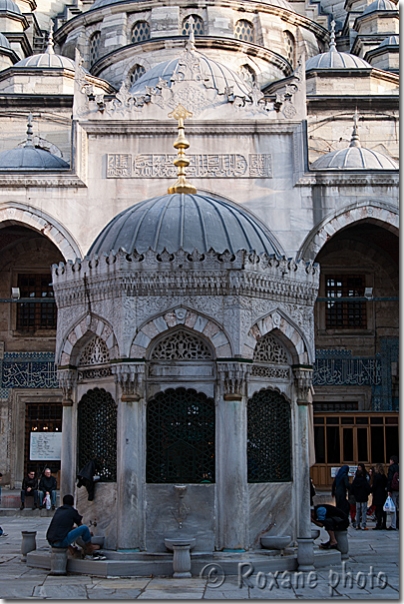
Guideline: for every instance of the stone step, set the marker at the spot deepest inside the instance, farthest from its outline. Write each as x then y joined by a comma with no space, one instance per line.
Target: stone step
26,513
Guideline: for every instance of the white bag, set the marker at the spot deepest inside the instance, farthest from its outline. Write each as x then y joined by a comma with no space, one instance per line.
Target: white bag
389,505
47,502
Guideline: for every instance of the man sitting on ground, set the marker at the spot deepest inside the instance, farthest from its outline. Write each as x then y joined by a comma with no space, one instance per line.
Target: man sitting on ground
332,519
61,532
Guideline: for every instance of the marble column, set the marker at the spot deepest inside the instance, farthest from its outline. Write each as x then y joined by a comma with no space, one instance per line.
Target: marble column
67,380
130,456
231,456
305,551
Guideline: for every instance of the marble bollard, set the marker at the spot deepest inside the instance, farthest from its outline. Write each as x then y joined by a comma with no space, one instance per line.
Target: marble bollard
58,561
342,543
28,543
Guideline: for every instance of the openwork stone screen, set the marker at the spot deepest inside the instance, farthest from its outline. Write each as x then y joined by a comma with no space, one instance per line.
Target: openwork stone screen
95,353
268,350
181,345
244,30
197,25
95,42
268,438
180,437
140,32
136,73
96,427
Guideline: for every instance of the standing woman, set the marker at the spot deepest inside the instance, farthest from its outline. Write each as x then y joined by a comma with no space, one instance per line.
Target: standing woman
339,490
379,490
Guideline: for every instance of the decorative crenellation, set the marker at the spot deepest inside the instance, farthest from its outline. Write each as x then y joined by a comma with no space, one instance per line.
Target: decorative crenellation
233,378
130,377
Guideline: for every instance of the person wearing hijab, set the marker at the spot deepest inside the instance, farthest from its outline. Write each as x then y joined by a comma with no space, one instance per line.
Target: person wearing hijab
340,488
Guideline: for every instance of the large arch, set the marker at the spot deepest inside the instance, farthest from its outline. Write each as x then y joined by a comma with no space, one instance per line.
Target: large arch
17,213
370,210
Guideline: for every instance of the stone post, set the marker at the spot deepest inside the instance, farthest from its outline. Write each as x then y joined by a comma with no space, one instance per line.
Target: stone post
67,380
305,551
130,455
231,455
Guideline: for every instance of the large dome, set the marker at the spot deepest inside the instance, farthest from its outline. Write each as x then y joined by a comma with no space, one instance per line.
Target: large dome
278,3
184,221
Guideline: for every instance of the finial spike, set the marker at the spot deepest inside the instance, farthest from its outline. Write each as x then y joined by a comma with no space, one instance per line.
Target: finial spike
182,185
29,142
332,36
355,142
49,48
191,38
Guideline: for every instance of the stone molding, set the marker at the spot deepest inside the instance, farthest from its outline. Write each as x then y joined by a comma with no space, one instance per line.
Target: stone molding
233,378
67,381
130,377
303,382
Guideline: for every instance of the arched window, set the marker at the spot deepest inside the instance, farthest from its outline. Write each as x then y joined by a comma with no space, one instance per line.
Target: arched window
136,73
95,42
180,437
268,438
96,427
244,30
248,74
140,32
194,21
289,47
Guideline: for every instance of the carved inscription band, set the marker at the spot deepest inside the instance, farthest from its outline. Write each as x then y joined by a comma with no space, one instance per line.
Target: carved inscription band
201,166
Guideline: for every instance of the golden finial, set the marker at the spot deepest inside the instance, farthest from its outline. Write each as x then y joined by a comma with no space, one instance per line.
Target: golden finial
182,185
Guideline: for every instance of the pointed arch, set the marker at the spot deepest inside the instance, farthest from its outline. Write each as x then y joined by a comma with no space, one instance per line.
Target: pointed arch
80,334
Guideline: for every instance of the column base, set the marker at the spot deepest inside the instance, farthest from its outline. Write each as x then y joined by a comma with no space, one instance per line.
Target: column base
305,554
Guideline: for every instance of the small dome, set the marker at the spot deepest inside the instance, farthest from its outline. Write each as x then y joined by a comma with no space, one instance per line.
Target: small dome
4,43
213,74
390,41
184,221
380,5
334,59
10,6
47,59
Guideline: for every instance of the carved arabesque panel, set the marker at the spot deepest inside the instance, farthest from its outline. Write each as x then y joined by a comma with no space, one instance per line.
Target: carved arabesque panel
269,350
95,353
181,346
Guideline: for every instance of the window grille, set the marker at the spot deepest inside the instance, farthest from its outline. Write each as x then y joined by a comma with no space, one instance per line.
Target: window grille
244,30
180,437
31,316
96,427
268,350
268,438
95,43
345,315
248,74
136,73
194,21
181,345
140,32
289,47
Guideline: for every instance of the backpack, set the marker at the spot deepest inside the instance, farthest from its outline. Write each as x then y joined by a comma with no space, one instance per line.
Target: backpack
395,482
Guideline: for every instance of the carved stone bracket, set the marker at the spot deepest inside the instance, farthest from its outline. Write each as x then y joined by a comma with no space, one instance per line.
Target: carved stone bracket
233,377
303,381
130,377
67,381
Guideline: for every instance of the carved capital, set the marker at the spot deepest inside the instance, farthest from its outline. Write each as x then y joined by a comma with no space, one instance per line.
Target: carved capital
233,378
303,381
67,381
130,377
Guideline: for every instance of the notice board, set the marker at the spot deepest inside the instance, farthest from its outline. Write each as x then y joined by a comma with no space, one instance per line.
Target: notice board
45,446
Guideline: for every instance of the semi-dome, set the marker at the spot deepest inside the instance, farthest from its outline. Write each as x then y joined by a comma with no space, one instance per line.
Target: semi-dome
390,41
354,157
10,6
380,5
333,59
184,221
213,74
29,157
4,43
47,59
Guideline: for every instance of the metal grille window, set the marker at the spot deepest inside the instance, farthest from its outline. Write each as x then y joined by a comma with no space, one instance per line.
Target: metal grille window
244,30
96,427
31,317
140,32
194,21
95,43
289,47
136,73
180,437
268,438
345,315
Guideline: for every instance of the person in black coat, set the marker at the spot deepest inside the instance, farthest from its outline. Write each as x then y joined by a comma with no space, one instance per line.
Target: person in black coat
339,489
332,519
360,489
29,487
394,493
47,484
379,490
88,476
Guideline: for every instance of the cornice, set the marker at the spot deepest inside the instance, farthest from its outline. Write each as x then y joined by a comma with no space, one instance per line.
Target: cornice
330,178
206,129
38,179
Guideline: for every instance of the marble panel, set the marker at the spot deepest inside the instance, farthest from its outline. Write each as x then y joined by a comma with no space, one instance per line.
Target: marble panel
101,511
271,503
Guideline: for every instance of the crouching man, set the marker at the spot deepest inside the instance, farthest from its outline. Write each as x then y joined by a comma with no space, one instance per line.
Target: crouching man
332,519
61,532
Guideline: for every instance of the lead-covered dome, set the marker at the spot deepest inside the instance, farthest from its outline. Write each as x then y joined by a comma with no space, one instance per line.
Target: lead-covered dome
333,59
390,41
4,43
185,221
47,59
380,5
10,6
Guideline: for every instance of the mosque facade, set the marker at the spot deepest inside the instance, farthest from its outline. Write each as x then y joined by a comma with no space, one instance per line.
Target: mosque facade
212,321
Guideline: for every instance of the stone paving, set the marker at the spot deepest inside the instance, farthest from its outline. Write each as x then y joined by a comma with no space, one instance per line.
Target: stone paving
372,572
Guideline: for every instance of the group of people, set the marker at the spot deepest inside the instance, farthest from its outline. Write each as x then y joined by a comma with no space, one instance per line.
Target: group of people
47,486
352,498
